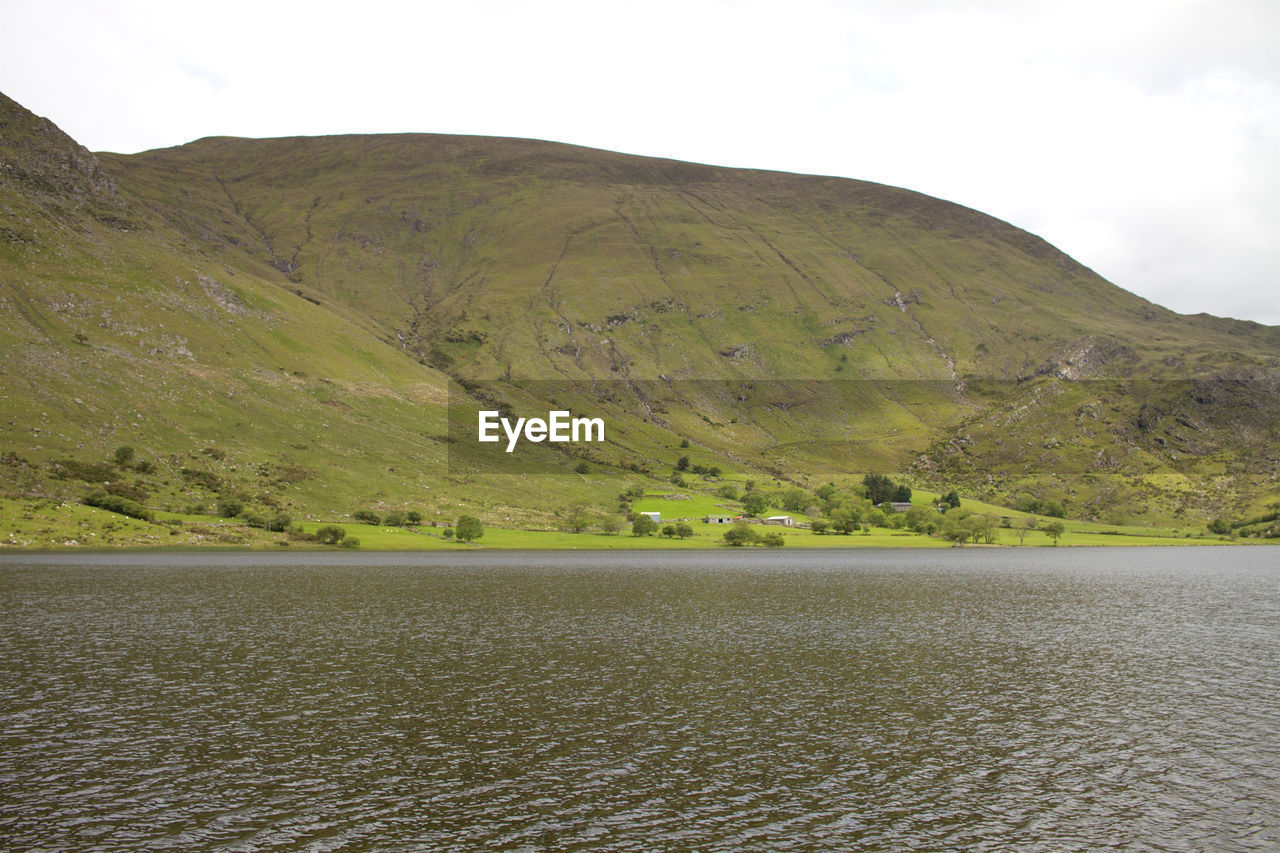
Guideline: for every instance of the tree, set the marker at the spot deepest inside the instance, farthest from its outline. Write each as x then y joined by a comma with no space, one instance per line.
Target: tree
395,518
279,522
879,488
753,504
611,525
366,516
468,528
1054,530
1028,523
330,534
741,534
796,499
902,494
1219,526
230,507
447,533
952,499
979,527
843,521
669,531
919,517
684,442
682,464
413,517
643,526
774,540
818,526
577,518
728,492
123,455
684,531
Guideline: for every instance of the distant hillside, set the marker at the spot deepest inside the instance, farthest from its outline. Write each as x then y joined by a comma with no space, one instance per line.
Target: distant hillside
302,303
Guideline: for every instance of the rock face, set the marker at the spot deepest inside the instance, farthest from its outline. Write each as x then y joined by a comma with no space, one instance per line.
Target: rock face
34,151
41,164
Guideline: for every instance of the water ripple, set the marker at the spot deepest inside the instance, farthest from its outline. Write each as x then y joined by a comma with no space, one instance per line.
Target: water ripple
974,702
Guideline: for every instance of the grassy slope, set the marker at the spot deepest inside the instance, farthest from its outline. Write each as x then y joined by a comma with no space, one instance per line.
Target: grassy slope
259,311
495,258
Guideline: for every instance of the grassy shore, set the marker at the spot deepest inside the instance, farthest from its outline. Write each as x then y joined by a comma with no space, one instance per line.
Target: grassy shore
54,525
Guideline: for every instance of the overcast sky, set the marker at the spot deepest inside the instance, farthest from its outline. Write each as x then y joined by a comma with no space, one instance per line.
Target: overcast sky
1142,138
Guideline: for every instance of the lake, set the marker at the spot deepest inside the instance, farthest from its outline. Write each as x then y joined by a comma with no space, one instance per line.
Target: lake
967,699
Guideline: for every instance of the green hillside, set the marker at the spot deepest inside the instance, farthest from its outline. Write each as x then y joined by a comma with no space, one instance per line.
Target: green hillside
286,320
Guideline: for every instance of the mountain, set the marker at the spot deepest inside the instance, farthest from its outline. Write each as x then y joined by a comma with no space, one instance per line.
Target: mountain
293,316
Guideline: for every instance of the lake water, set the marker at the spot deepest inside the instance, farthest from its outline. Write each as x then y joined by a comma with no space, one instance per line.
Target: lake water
1042,700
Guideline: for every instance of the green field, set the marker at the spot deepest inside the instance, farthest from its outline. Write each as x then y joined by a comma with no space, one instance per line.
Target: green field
63,526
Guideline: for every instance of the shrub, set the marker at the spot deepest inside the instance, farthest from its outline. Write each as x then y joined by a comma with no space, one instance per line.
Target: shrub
201,478
643,526
128,490
413,517
123,455
448,533
394,519
89,472
684,531
741,534
773,540
330,534
349,542
468,528
230,507
366,516
117,504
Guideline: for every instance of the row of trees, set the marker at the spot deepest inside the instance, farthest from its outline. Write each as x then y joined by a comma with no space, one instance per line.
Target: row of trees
643,525
395,518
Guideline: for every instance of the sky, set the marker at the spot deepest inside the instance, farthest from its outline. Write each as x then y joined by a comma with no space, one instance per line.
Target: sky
1142,138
